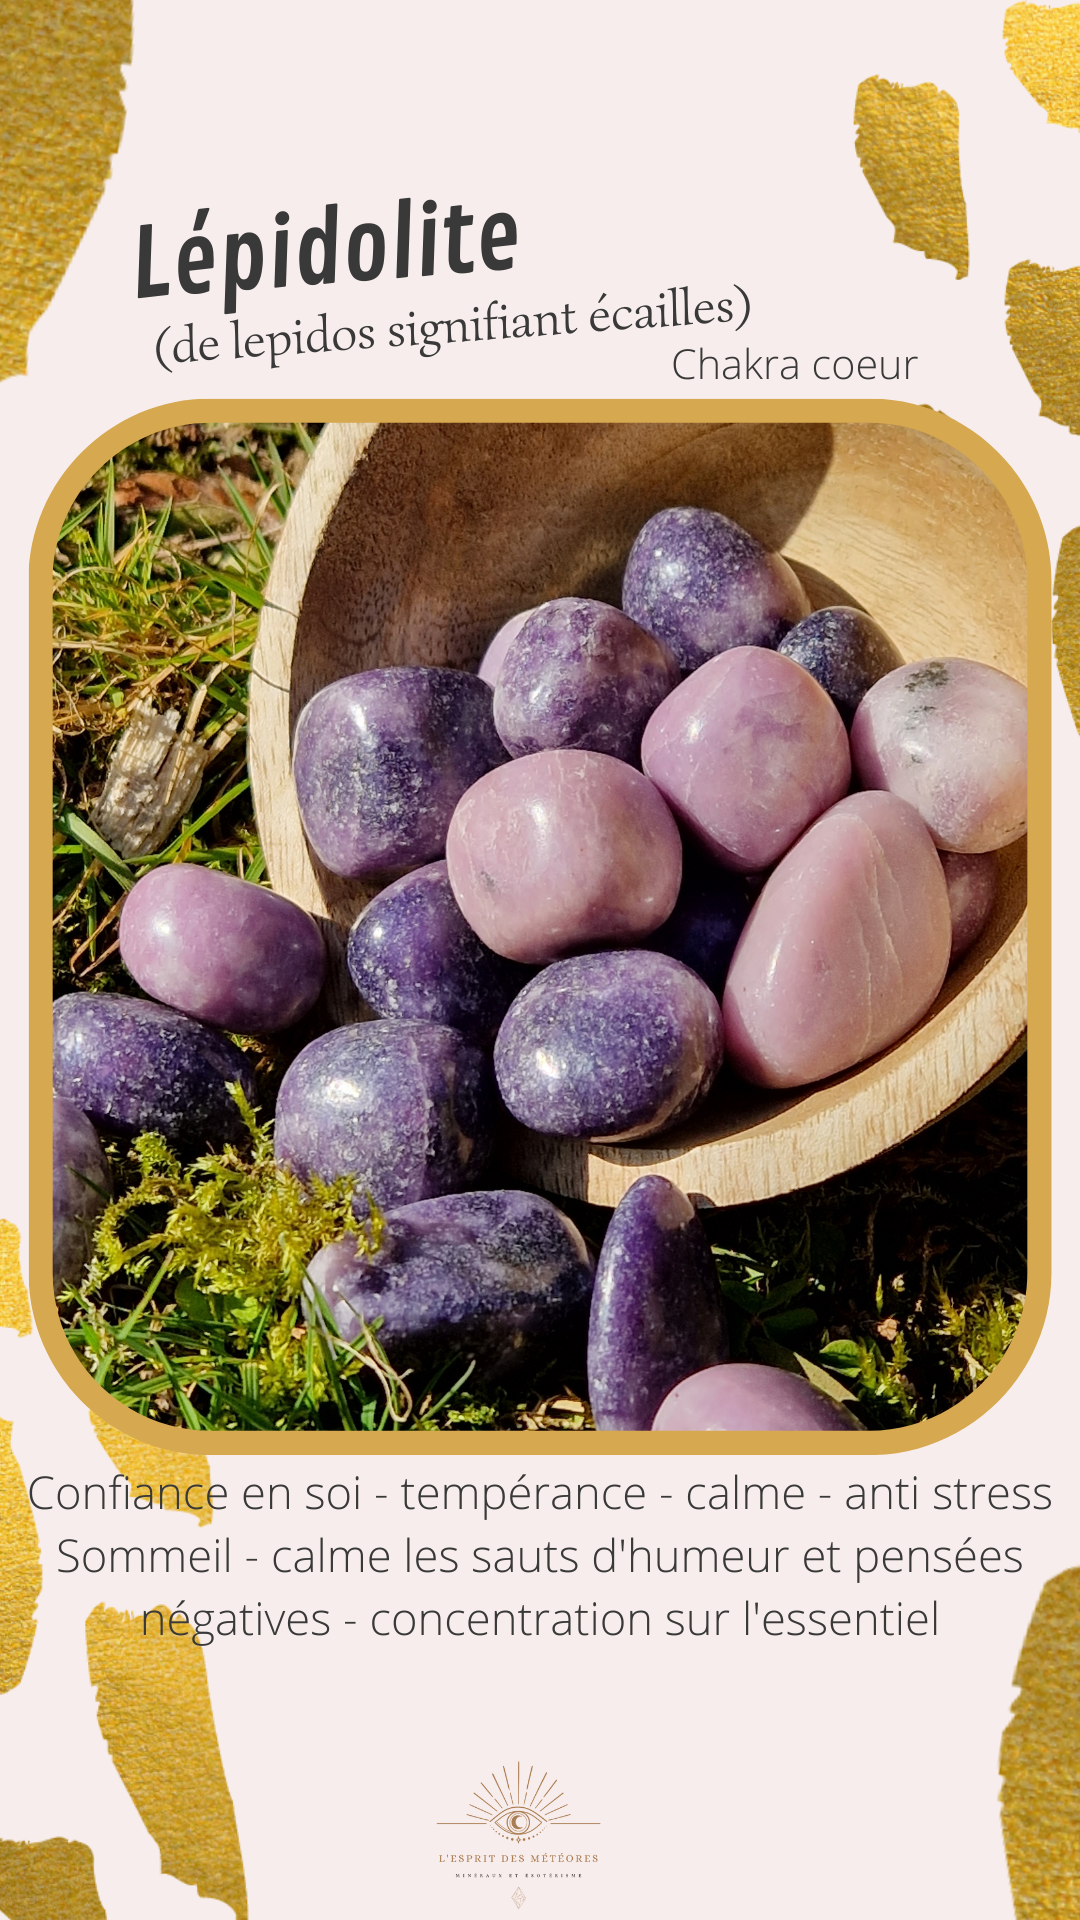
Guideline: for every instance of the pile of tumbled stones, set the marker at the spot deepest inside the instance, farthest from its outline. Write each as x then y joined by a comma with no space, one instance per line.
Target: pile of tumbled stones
712,820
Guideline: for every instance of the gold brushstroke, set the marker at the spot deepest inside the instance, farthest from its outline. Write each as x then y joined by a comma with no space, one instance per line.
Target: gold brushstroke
20,1567
60,123
1040,1760
154,1709
908,143
14,1304
1043,319
1067,619
147,1466
47,1879
1042,46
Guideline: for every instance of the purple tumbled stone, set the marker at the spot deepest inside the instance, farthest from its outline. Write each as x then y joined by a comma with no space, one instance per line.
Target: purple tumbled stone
703,584
82,1186
971,883
656,1312
744,1398
747,751
845,949
223,950
414,956
845,650
491,665
405,1107
710,914
381,760
502,1279
563,849
133,1066
581,674
609,1046
950,736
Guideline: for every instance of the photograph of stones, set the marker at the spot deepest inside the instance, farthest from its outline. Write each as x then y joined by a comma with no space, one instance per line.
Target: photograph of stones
539,925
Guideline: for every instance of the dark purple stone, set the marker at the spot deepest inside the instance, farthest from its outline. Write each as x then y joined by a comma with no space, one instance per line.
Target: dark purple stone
381,760
404,1106
657,1315
710,913
414,956
499,1278
135,1067
609,1046
845,651
745,1398
703,584
82,1186
581,674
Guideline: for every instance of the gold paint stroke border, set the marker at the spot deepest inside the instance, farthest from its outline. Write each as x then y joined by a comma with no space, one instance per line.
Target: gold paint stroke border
590,412
908,144
47,1879
1067,619
1040,1760
20,1567
14,1299
141,1462
1042,46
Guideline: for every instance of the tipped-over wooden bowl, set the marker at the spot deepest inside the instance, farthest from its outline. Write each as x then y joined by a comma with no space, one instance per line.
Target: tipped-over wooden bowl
412,544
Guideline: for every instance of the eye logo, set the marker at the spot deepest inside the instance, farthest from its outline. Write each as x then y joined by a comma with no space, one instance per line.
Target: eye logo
518,1807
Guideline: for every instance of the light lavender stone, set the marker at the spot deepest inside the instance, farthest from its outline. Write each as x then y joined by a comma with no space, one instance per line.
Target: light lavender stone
82,1188
491,665
221,949
609,1046
581,674
703,584
747,752
744,1398
972,884
405,1107
657,1314
382,758
950,737
845,650
502,1279
414,956
133,1066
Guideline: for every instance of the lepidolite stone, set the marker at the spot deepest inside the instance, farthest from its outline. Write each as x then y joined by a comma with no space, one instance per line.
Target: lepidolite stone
491,665
609,1046
133,1066
414,956
405,1107
563,849
747,751
846,947
703,584
581,674
971,882
381,760
845,650
82,1187
657,1314
710,914
745,1398
950,736
502,1279
221,949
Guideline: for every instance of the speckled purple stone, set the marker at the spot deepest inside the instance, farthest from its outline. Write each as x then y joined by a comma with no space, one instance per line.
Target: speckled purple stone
414,956
82,1184
609,1046
404,1106
491,665
135,1067
221,949
381,760
581,674
499,1278
709,916
971,882
657,1315
703,584
744,1398
846,652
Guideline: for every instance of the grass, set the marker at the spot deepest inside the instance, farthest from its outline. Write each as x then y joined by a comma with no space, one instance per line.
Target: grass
897,1287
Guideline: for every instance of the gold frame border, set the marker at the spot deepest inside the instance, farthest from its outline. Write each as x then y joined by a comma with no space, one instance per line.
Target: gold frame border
1040,656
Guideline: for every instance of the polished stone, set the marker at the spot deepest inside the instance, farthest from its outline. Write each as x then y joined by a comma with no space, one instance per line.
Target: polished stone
133,1066
745,1398
703,584
82,1188
414,956
845,650
972,884
581,674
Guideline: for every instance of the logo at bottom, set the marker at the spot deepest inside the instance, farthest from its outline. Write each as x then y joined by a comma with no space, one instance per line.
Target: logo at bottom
518,1898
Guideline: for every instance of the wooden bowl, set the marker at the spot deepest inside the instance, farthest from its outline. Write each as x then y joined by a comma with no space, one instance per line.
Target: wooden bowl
412,543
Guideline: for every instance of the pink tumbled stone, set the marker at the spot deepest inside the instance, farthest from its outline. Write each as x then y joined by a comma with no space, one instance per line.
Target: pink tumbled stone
950,736
745,1398
497,649
845,949
971,880
563,850
747,751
